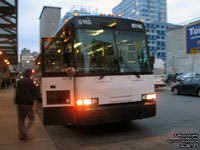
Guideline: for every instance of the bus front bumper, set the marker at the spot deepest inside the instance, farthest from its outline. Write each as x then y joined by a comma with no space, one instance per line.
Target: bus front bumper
115,113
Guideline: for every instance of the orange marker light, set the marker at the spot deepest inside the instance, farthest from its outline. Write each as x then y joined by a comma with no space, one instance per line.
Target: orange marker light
75,15
67,20
119,15
103,14
111,14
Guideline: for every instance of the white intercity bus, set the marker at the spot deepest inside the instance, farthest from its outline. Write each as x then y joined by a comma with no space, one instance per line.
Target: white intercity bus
96,70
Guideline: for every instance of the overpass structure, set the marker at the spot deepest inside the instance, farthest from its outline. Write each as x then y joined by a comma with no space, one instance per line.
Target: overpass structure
8,34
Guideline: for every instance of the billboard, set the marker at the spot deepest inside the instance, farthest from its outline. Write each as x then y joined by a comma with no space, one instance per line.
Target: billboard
193,38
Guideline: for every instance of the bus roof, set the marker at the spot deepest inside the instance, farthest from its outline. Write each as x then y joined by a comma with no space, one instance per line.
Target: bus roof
75,16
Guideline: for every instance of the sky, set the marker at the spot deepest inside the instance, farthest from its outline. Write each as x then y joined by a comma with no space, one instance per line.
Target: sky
179,11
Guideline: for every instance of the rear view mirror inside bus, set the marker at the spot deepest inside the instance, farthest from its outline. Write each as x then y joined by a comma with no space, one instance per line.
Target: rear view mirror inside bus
71,71
67,58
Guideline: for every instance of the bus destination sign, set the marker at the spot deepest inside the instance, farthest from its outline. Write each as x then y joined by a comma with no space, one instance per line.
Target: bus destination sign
85,22
136,26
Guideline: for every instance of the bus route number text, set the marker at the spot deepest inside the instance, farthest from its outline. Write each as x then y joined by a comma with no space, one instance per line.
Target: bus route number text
85,22
137,26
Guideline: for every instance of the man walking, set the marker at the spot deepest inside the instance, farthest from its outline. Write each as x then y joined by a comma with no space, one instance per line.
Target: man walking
25,99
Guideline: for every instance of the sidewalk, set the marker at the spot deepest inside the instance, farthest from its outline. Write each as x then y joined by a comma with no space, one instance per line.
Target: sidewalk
9,139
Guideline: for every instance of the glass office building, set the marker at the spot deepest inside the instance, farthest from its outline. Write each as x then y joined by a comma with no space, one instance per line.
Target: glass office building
157,38
154,15
148,10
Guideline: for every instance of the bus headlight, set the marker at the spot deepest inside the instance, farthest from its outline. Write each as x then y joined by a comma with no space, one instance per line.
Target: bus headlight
150,96
87,102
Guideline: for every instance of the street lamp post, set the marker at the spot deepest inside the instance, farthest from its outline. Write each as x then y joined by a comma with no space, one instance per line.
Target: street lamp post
4,63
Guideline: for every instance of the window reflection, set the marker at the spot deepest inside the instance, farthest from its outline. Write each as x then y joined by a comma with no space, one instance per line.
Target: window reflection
57,53
132,52
100,53
97,52
53,56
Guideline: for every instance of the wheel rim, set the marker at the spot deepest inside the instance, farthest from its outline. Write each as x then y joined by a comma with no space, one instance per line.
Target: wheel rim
175,91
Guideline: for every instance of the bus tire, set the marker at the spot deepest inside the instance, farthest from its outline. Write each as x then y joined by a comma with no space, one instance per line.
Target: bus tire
70,125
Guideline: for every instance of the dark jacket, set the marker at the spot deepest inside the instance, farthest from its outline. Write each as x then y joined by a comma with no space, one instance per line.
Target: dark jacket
25,92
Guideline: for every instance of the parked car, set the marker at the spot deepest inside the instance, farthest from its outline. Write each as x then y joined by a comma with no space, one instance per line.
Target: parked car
190,85
171,77
186,75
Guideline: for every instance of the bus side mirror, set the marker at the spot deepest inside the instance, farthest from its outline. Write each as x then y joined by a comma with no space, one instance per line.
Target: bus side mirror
67,58
71,71
152,61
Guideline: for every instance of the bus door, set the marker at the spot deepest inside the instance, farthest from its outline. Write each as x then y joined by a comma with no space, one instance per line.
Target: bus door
57,82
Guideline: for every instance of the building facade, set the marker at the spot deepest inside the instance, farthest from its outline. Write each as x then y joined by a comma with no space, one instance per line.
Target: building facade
27,59
156,36
148,10
178,60
154,15
49,19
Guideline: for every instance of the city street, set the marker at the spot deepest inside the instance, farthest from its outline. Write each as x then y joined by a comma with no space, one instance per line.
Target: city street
176,125
69,67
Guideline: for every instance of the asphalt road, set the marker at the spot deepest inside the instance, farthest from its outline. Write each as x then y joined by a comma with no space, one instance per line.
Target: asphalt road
176,125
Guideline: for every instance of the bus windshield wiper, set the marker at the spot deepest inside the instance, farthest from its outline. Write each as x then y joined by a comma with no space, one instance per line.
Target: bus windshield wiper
102,75
129,68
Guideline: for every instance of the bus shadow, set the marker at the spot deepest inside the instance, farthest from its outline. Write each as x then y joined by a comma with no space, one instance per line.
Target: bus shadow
162,89
89,136
108,129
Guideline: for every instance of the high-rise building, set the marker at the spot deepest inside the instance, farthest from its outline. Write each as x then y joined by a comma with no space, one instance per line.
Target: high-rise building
148,10
154,15
49,19
27,59
156,36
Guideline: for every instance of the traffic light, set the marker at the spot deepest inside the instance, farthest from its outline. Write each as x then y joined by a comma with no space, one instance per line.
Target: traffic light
33,71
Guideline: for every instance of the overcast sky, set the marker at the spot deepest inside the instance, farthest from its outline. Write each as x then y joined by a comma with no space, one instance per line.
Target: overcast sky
29,11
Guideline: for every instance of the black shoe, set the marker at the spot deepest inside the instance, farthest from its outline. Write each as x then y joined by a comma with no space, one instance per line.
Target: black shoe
23,138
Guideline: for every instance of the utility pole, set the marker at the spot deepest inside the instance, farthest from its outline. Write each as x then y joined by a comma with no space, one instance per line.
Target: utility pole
193,63
173,68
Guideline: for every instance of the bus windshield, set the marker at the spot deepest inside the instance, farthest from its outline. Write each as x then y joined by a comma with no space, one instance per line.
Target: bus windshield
110,51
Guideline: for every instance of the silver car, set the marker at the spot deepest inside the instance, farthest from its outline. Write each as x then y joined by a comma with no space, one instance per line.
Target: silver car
186,75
